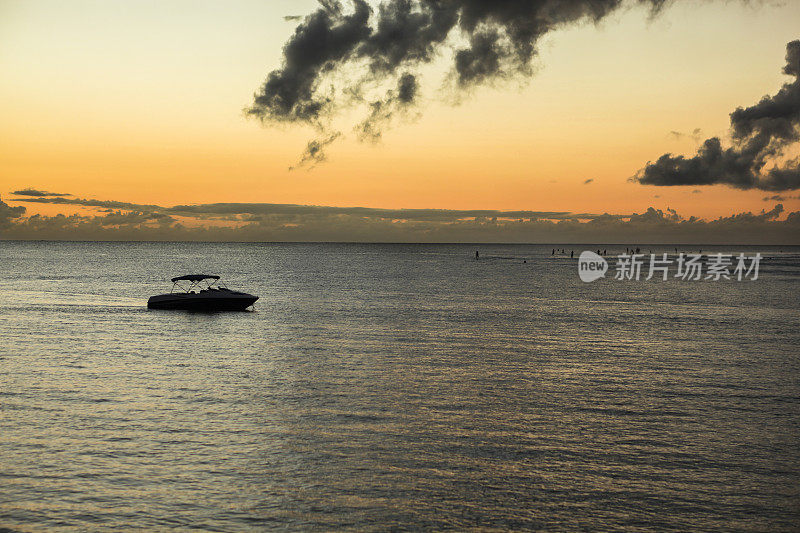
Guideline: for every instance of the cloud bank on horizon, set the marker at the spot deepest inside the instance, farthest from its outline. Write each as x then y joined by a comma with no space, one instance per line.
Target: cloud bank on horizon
760,134
337,56
258,222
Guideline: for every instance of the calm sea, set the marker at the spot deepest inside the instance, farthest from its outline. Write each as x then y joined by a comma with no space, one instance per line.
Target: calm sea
396,387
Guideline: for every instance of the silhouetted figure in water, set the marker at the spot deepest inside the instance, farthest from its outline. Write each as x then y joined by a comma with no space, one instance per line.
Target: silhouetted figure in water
571,254
554,252
604,252
477,255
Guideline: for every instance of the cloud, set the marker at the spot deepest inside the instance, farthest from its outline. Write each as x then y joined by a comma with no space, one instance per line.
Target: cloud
383,111
324,39
38,193
780,198
108,204
116,218
696,135
339,52
292,210
427,215
756,158
8,213
315,151
295,223
293,18
587,182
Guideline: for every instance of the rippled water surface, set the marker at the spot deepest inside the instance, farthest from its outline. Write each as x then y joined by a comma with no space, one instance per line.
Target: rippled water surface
394,387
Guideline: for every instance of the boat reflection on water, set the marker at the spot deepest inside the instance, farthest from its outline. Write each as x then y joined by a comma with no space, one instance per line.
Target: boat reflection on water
201,292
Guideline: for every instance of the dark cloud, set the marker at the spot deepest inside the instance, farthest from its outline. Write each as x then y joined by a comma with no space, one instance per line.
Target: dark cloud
780,198
8,213
107,204
116,218
774,213
337,52
756,158
383,111
293,18
315,151
587,182
323,40
38,193
792,67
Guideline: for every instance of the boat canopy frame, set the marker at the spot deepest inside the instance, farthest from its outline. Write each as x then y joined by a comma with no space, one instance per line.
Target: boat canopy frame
196,281
194,277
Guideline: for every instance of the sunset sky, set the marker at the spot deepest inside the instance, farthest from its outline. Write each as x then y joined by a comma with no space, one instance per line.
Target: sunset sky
142,102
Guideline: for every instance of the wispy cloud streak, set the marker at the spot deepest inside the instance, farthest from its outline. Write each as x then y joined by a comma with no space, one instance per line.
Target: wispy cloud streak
38,193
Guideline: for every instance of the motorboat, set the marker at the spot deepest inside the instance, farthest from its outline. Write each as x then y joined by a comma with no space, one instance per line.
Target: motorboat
201,292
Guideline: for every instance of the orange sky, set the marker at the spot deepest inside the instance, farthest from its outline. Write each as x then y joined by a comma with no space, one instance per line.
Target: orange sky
142,102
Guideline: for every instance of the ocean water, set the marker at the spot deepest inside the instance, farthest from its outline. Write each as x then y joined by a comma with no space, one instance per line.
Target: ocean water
398,387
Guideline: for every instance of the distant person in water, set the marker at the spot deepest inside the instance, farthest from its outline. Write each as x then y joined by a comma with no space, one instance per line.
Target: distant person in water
571,254
477,255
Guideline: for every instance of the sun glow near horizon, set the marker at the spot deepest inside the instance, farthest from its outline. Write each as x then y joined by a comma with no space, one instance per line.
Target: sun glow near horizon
143,103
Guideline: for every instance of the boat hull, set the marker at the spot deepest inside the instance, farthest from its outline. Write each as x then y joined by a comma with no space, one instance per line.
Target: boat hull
204,301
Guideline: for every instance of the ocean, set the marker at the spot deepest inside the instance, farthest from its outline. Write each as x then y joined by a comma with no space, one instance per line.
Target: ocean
395,387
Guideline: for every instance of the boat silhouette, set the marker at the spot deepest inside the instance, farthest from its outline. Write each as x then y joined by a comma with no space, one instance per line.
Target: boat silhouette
203,292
